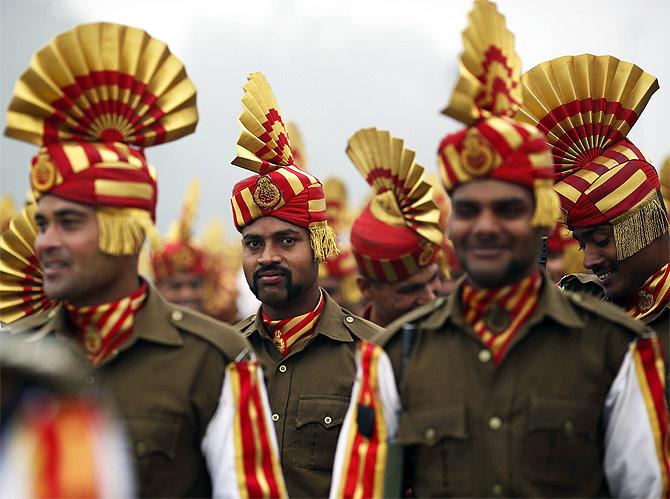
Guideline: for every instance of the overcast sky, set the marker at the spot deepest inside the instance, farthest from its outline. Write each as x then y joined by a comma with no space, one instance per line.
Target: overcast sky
335,66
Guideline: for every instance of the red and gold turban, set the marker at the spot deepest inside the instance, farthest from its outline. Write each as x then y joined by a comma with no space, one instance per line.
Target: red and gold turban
587,105
93,99
280,189
398,232
487,95
178,252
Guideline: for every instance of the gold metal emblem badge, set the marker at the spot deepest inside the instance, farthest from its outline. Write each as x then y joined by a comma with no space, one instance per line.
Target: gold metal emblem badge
497,319
43,175
92,342
645,301
427,253
267,194
477,155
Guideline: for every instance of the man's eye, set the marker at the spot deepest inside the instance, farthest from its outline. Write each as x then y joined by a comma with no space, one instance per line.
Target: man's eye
69,223
288,241
465,212
253,244
602,243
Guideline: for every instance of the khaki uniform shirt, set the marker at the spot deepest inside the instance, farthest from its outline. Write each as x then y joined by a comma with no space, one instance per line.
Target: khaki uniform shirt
309,393
531,426
659,321
166,381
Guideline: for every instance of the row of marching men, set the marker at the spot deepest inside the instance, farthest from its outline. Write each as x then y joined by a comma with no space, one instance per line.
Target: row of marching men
499,383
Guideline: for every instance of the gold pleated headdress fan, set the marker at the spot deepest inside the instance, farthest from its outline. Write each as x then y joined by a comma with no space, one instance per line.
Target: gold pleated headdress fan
93,99
586,105
398,232
487,95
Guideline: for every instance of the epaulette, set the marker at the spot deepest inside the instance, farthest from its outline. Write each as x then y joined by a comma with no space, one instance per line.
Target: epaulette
608,311
361,328
582,283
243,325
415,315
221,335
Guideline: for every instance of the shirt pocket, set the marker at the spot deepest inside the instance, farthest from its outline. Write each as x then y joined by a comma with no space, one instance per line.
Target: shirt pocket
154,441
437,442
318,425
562,443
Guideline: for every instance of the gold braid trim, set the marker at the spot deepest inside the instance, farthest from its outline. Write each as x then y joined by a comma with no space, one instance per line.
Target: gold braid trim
547,204
122,230
323,241
641,226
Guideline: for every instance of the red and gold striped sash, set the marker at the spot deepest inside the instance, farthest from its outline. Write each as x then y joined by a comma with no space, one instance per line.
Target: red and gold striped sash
257,464
103,328
518,300
287,332
652,296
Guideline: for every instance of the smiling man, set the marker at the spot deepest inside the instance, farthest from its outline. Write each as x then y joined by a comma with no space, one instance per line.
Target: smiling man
397,238
305,340
176,376
610,193
508,387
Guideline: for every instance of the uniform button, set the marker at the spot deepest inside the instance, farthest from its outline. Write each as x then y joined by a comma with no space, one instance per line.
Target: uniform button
51,314
275,417
327,420
140,448
495,423
177,315
282,368
484,355
568,427
90,380
115,352
497,489
349,319
429,434
576,297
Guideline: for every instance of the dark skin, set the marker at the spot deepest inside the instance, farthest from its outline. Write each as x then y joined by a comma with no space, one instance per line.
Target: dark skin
279,266
620,278
490,228
390,300
75,270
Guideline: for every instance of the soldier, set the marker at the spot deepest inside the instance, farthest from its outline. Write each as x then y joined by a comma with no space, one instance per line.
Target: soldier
509,387
178,264
91,99
397,238
304,339
609,191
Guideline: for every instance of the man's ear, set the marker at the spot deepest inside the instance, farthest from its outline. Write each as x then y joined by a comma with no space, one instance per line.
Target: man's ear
365,287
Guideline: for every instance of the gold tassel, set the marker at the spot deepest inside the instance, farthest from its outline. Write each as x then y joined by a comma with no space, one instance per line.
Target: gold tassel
443,264
547,205
640,227
322,239
122,230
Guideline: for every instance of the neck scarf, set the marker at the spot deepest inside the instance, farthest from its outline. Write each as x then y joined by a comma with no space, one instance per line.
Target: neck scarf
654,295
103,328
497,314
287,332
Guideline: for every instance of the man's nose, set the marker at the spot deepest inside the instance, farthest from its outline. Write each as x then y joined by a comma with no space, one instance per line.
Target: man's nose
47,239
592,257
269,255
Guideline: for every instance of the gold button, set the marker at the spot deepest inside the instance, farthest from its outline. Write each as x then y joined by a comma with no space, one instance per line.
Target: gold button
51,313
430,434
576,297
141,448
282,368
275,417
495,423
349,319
327,420
177,315
90,380
484,355
569,427
497,489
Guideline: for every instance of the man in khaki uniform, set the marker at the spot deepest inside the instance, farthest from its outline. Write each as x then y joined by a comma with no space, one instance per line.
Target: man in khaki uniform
508,387
397,239
166,367
304,339
613,201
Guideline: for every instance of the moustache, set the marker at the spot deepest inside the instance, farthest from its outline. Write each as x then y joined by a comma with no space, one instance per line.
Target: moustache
273,267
